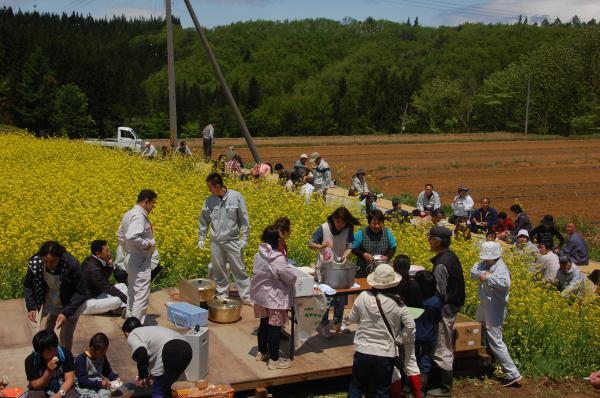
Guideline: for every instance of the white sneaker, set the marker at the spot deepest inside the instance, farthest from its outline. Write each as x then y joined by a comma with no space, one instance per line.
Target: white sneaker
281,363
261,357
344,328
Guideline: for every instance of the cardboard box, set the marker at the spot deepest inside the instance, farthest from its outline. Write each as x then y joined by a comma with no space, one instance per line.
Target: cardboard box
467,334
304,283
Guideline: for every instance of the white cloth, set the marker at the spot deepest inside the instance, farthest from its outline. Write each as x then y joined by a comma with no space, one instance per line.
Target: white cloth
328,290
323,176
307,190
153,339
372,336
136,237
103,303
462,206
339,245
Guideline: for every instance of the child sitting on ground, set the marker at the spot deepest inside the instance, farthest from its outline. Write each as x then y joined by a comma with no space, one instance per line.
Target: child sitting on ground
49,368
93,371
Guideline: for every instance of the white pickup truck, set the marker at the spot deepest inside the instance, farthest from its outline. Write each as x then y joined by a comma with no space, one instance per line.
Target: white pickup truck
126,139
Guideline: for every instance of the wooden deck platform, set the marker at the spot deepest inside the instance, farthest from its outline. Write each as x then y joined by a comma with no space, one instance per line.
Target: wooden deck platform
232,348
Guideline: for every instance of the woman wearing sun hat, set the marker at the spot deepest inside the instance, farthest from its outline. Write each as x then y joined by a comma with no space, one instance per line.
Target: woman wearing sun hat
375,347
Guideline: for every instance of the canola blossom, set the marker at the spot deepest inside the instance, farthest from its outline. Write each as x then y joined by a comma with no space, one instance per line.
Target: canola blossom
56,189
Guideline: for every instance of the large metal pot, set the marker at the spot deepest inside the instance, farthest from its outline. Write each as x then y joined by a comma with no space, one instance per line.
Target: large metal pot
225,311
338,275
196,291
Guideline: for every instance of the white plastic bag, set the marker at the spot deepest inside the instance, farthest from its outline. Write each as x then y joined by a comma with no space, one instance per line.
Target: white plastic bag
309,312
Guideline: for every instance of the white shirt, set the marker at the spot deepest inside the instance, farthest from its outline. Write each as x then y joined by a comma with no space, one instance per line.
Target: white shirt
149,151
208,132
462,206
307,190
153,339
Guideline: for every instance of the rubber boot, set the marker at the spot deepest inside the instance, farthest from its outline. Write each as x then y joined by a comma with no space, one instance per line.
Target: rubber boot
424,382
396,389
415,382
446,389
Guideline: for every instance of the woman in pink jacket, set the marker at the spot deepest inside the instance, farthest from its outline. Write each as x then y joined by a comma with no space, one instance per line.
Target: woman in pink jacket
271,291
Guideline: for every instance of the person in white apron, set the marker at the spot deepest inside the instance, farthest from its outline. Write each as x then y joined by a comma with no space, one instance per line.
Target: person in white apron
333,240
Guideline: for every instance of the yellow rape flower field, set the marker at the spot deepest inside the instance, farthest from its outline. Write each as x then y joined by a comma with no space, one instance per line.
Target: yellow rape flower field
56,189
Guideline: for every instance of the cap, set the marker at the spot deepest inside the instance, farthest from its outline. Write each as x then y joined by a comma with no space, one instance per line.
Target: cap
440,232
314,156
523,232
490,251
564,258
462,188
304,156
147,143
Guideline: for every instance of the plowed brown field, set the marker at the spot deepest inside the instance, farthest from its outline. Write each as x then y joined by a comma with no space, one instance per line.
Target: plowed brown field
547,176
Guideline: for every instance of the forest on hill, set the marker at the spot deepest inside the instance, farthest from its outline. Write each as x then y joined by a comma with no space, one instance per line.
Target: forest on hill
76,76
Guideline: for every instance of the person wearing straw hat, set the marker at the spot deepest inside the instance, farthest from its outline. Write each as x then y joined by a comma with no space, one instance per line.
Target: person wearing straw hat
462,204
359,184
383,321
494,285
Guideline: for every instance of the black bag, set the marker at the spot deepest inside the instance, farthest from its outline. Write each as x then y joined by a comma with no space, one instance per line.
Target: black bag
398,362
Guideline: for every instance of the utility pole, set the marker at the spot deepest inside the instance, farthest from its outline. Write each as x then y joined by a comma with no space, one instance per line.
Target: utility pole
224,85
171,71
404,119
527,105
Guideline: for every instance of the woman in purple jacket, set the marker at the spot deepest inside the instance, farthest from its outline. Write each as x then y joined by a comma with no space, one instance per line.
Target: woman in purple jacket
271,291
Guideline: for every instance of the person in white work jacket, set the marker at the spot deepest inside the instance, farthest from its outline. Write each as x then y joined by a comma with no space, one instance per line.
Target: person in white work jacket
462,205
226,214
136,238
494,285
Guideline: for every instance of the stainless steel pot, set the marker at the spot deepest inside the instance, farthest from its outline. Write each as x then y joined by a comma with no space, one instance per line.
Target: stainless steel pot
196,291
225,311
338,275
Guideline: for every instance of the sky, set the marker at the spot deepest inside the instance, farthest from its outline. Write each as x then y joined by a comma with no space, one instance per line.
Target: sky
430,12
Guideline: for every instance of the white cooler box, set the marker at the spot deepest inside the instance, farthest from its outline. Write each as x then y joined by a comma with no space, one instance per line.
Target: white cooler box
304,284
198,367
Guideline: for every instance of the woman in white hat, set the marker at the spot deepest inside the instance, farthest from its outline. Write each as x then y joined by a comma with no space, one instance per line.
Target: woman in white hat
494,285
374,342
525,248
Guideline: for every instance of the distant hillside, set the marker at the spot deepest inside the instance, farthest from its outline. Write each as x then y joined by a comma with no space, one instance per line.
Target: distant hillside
302,77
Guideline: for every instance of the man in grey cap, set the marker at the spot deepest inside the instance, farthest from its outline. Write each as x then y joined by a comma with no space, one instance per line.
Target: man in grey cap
494,284
323,180
226,214
450,283
570,281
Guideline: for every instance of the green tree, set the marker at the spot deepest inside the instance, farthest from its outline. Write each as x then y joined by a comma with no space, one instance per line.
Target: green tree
35,93
71,116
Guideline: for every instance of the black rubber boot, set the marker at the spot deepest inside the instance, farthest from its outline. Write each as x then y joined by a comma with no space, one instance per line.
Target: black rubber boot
446,388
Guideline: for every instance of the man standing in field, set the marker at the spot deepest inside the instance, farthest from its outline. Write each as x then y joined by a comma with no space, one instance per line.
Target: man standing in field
428,201
450,284
323,180
136,238
494,285
208,140
226,214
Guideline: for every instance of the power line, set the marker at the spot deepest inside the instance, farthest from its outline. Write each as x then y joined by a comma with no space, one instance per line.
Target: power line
76,5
